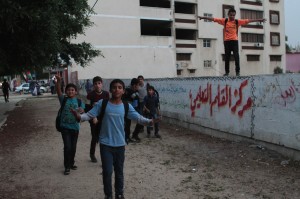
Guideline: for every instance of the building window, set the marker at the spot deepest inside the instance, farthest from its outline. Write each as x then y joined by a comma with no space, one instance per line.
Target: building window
186,34
254,38
252,57
274,17
206,43
275,38
226,9
183,56
207,64
251,14
155,27
275,57
155,3
184,7
179,72
207,15
192,71
252,2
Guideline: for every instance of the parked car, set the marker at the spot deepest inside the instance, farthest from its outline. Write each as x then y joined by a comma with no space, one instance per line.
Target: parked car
25,88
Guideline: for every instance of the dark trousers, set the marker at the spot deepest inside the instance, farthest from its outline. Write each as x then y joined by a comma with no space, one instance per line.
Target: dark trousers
137,130
69,137
149,128
94,140
6,95
112,158
233,46
52,90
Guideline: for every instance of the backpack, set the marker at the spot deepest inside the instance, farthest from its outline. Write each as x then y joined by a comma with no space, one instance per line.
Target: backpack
236,26
101,115
58,117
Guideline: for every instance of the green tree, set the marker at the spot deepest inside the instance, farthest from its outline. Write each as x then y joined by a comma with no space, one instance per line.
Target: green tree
33,33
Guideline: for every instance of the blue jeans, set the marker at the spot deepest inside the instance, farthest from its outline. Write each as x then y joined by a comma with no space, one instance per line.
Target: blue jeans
69,137
112,158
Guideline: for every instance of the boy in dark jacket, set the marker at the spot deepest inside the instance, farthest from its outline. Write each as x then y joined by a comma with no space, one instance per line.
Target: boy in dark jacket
94,96
151,108
131,95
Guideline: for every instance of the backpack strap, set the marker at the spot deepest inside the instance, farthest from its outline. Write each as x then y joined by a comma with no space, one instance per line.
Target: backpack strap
103,107
63,104
79,102
126,108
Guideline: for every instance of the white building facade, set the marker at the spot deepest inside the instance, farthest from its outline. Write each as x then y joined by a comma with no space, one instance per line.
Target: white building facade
164,38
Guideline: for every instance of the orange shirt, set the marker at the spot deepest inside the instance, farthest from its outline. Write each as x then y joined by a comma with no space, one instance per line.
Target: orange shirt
231,29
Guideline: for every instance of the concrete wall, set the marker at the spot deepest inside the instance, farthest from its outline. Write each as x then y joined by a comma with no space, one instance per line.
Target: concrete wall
259,108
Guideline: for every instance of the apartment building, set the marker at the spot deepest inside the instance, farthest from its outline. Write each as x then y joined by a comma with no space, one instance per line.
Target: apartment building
164,38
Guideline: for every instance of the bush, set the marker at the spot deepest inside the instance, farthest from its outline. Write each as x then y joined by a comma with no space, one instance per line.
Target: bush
278,70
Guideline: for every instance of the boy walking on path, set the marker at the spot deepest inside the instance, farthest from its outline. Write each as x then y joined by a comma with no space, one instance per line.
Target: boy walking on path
112,136
231,26
151,107
94,96
69,125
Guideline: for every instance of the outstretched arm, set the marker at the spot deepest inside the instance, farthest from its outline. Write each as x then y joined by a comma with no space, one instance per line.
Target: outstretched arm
257,20
207,18
57,85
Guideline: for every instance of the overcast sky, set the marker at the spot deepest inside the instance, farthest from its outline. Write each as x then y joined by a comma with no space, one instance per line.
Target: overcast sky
292,24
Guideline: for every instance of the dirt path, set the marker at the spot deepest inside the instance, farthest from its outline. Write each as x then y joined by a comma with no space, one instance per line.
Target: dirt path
184,164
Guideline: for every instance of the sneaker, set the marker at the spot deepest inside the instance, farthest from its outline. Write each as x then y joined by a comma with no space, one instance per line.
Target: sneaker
136,138
74,167
157,136
67,172
129,140
120,197
93,158
108,197
226,74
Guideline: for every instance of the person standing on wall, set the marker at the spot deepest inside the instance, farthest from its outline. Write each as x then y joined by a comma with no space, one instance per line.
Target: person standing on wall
231,26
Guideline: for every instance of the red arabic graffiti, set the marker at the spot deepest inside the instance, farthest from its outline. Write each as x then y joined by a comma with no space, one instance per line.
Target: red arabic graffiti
222,99
289,95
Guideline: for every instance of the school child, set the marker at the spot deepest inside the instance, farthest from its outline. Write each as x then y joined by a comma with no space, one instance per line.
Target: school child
131,95
94,96
151,108
112,136
231,43
69,125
